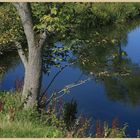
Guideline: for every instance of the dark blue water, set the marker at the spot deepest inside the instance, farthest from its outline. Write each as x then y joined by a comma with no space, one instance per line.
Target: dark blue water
91,97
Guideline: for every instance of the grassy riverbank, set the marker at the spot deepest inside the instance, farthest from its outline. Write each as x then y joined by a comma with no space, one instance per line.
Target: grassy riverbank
18,122
18,129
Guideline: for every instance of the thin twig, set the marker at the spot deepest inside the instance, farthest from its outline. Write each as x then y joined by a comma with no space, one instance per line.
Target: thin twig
55,78
68,87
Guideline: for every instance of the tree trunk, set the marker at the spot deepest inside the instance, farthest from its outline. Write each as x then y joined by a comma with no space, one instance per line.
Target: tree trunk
33,78
33,62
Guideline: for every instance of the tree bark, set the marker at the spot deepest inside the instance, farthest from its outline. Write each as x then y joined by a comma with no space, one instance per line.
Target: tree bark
33,62
33,78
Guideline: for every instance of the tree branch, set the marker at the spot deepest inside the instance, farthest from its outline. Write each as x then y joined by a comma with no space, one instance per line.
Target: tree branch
21,54
15,4
43,39
24,10
54,79
68,87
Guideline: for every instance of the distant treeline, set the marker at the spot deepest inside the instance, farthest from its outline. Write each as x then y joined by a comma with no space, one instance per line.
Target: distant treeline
101,14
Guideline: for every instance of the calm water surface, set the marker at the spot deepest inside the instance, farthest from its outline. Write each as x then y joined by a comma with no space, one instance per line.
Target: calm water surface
103,99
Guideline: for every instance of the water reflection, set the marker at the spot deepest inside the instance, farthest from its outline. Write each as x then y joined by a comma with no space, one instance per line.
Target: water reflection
8,61
126,90
104,50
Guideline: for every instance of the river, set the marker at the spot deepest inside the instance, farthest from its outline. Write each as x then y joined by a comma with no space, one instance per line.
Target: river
103,99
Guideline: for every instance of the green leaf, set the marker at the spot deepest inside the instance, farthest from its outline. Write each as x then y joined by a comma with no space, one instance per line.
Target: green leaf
54,11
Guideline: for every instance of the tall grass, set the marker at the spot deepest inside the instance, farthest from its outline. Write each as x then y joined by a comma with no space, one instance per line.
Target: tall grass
17,122
27,129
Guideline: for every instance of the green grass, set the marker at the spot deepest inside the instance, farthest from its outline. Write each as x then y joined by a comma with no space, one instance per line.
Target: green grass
27,129
17,122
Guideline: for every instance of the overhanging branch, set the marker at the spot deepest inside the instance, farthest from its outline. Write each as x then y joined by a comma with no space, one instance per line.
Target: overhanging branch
41,96
56,95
